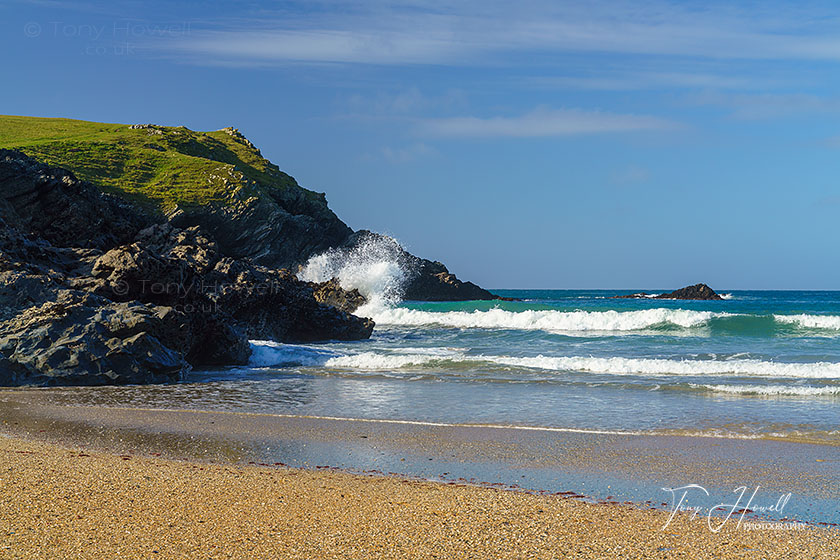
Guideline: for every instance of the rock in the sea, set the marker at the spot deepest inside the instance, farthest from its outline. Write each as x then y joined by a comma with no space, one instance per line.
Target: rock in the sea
697,291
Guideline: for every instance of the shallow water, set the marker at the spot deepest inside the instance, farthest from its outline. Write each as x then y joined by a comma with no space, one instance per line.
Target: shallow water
759,364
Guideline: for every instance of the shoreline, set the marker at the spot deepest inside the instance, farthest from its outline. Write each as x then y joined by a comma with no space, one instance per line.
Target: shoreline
593,466
63,499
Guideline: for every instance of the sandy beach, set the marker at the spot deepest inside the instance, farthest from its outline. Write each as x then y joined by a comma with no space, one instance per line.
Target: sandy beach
62,501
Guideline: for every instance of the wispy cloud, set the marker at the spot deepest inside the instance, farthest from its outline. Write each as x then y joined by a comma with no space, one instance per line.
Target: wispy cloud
486,32
408,153
543,122
768,105
647,80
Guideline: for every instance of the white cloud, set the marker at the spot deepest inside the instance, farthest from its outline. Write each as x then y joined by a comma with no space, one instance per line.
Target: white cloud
543,122
485,32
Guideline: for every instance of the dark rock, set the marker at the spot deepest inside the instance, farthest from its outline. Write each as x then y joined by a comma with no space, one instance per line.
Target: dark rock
92,293
274,305
278,229
697,291
52,204
182,269
82,339
433,282
331,293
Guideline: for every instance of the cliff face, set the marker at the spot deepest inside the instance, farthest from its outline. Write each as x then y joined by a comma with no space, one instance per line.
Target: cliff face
93,290
218,181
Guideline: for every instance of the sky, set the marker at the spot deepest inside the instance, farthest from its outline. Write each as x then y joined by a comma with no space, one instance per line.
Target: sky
537,144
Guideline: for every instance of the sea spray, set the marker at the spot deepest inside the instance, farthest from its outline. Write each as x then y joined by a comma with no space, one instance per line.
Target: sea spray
374,266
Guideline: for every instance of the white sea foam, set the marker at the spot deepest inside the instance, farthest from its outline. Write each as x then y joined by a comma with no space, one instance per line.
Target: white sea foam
377,361
548,320
266,353
727,296
830,322
651,366
372,267
791,390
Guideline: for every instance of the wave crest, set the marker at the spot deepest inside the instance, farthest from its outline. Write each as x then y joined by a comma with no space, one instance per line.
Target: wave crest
828,322
771,390
547,320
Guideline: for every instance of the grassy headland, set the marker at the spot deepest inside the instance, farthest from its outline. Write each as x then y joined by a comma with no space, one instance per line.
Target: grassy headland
158,166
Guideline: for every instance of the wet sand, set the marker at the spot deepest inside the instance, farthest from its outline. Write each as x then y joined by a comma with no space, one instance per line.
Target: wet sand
85,482
606,467
60,501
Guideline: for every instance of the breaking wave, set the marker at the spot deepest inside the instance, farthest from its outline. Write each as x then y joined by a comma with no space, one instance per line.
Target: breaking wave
267,353
828,322
372,266
547,320
771,390
654,366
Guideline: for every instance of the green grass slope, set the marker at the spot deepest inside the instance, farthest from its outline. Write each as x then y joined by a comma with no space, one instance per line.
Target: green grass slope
156,166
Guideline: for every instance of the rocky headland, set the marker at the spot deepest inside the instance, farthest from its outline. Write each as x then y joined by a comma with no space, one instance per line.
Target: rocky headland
130,254
93,291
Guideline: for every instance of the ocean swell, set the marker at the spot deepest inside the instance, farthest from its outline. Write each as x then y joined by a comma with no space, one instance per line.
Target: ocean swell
772,390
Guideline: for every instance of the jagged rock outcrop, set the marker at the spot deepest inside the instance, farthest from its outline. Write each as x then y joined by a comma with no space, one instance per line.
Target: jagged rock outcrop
82,339
53,205
331,293
91,292
697,291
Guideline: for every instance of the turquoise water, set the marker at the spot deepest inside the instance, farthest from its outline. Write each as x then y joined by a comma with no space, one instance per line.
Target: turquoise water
759,364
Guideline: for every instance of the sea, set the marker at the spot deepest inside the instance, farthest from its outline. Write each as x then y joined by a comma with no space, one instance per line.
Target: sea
555,391
758,364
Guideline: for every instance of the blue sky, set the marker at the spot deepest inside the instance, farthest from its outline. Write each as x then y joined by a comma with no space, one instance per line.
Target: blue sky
542,144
